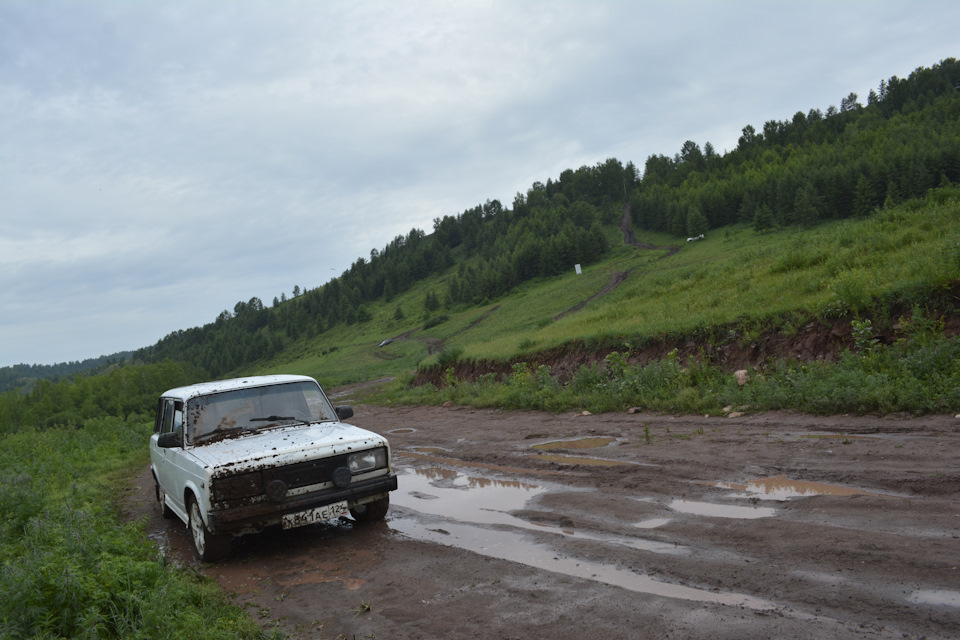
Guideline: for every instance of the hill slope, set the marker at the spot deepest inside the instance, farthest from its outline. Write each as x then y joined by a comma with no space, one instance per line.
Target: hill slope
738,296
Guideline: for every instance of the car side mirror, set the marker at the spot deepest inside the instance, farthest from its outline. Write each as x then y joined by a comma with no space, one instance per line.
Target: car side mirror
345,412
169,440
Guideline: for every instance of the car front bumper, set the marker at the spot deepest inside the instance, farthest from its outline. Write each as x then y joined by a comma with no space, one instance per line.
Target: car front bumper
257,516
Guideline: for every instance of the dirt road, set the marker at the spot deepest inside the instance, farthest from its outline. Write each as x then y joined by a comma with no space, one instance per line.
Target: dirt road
634,526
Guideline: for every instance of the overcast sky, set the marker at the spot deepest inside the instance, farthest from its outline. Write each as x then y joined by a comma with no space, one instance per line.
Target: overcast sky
160,161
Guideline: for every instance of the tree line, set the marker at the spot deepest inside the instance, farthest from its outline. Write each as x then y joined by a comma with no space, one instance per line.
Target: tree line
25,375
843,163
120,392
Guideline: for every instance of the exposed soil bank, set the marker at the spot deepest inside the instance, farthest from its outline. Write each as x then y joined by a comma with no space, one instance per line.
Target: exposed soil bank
813,341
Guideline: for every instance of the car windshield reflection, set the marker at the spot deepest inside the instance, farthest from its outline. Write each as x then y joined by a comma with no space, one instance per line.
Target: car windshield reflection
234,413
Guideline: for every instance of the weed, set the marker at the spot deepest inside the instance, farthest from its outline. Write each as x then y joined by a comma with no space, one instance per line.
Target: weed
364,607
863,337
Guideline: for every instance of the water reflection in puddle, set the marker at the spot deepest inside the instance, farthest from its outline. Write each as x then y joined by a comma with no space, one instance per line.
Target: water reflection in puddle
436,450
714,510
651,523
937,597
472,514
584,460
581,443
482,465
782,488
448,494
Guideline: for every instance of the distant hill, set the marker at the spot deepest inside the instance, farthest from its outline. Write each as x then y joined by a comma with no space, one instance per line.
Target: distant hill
24,376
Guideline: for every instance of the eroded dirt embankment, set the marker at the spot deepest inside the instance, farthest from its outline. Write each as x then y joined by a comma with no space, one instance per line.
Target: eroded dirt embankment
815,340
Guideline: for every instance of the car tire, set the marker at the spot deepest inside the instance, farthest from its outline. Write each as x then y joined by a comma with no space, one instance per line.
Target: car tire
371,511
210,547
165,511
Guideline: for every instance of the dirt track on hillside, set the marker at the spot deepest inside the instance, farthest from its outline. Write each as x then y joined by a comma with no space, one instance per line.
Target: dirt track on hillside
488,537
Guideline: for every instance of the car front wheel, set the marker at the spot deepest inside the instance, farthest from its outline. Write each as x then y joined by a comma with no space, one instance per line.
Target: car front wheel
210,547
371,511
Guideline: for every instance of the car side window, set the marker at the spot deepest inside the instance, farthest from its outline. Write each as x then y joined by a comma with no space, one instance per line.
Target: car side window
178,417
168,412
158,421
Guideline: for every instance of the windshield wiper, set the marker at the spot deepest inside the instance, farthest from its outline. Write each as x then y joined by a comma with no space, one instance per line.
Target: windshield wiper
276,420
220,434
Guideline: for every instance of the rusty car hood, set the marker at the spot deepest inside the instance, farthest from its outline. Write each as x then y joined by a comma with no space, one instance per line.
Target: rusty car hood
287,445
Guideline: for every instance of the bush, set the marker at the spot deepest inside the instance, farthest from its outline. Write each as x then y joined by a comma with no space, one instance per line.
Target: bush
435,320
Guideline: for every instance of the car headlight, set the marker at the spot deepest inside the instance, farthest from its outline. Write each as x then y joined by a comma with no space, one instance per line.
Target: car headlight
367,460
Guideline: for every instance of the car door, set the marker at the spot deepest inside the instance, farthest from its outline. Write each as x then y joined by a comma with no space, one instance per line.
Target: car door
168,462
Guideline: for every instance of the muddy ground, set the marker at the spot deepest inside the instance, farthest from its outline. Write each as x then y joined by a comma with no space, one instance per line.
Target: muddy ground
759,526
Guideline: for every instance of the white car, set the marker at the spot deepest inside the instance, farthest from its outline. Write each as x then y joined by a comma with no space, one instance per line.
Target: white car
236,456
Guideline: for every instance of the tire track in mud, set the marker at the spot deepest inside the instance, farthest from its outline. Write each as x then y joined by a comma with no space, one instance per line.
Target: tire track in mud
619,277
616,279
435,345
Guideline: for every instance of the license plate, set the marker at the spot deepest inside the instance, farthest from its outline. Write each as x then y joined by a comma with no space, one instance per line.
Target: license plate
319,514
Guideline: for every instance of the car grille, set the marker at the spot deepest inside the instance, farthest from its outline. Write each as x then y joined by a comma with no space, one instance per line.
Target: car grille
242,487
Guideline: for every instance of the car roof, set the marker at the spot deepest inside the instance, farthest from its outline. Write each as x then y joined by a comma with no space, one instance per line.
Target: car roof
218,386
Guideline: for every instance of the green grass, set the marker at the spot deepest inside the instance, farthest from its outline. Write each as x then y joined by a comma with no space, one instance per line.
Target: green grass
71,567
735,277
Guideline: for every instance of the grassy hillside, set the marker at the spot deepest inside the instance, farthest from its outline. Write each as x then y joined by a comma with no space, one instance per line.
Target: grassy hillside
735,277
815,217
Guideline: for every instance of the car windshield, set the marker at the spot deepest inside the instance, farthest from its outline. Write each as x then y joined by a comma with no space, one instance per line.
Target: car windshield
231,413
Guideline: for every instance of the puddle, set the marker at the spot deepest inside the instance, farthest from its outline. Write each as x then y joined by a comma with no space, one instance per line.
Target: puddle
451,495
581,443
834,436
652,523
584,460
471,514
936,596
430,450
401,431
782,488
714,510
483,465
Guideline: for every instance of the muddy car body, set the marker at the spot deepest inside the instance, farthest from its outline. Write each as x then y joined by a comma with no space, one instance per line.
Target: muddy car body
236,456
